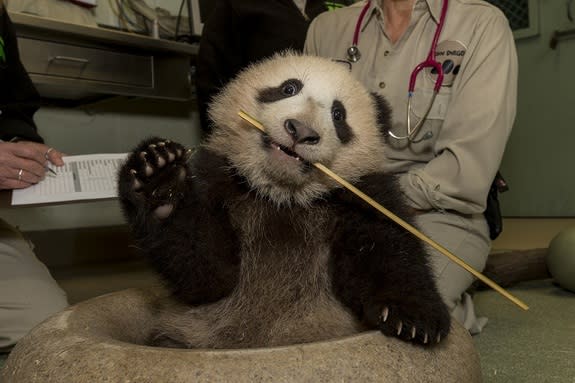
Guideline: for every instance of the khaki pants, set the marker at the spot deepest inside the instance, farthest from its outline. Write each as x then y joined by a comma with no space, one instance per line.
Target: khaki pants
467,237
28,293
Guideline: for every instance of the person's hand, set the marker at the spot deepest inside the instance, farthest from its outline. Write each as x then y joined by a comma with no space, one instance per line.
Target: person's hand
24,163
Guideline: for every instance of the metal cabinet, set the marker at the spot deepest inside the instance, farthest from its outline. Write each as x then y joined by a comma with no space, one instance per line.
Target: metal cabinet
76,62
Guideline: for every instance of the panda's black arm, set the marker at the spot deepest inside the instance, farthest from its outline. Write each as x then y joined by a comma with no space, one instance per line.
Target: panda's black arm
194,248
381,271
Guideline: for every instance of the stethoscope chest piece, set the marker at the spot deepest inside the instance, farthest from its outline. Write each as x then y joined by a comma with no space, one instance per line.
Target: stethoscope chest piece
353,54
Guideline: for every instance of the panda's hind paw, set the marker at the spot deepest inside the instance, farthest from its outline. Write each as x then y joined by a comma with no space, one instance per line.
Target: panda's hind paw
418,327
155,175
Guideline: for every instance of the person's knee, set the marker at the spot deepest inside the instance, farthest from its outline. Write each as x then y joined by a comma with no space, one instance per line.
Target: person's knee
45,299
453,282
29,304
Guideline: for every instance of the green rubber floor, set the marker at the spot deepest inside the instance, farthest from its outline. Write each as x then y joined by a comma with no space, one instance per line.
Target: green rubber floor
534,346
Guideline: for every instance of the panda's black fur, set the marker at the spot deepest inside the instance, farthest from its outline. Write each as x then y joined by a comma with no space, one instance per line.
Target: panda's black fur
259,248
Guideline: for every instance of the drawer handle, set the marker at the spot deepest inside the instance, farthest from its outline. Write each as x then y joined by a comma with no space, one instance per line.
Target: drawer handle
71,59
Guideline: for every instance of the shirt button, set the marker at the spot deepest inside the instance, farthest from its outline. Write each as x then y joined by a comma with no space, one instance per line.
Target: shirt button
386,53
382,85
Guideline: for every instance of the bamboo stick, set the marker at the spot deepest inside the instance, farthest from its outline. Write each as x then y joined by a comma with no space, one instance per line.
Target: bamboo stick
402,223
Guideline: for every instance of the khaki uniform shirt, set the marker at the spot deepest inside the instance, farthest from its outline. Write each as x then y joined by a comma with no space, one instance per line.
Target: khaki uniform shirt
453,159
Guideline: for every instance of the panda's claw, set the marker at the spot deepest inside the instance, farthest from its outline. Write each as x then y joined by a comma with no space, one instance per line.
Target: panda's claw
188,154
384,314
137,185
399,328
409,322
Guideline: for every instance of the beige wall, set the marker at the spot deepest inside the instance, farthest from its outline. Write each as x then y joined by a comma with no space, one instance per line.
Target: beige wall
530,233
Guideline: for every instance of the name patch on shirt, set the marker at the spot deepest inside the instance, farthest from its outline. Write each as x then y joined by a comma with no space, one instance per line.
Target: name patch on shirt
450,55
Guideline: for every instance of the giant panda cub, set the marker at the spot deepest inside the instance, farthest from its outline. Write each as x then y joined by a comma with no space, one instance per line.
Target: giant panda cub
259,248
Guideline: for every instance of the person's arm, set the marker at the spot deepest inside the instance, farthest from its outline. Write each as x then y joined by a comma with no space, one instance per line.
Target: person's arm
219,56
19,100
477,125
23,155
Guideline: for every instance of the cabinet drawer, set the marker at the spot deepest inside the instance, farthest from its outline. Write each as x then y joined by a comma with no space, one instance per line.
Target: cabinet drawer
72,61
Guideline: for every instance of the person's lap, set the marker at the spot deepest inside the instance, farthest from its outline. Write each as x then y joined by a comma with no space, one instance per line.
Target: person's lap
467,237
28,293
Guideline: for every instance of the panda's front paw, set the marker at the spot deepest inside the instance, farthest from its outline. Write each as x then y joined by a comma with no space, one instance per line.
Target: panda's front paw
154,176
425,324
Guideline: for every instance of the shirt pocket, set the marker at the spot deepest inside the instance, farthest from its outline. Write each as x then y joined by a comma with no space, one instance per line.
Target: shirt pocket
422,98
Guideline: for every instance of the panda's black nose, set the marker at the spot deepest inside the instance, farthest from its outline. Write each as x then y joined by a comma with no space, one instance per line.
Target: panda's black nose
300,132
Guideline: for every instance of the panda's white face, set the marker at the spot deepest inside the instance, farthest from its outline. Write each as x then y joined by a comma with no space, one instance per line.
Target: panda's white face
311,108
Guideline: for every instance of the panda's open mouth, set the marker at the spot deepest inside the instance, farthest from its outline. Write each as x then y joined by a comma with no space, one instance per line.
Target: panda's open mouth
287,151
271,143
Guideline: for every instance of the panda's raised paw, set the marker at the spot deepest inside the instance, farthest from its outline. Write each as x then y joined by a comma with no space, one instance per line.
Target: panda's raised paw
155,173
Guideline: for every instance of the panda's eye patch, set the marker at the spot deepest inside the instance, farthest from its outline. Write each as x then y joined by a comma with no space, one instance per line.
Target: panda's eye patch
288,88
338,115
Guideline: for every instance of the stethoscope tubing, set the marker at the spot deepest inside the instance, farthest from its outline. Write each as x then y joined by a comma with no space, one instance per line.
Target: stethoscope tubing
359,23
430,60
354,55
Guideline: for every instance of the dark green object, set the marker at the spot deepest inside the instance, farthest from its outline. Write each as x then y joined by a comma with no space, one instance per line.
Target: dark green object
2,53
561,258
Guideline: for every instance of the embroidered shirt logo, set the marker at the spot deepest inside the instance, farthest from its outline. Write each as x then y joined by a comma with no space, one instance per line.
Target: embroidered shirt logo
450,54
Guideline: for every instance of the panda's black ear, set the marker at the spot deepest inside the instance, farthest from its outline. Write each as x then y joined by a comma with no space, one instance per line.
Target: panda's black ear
383,110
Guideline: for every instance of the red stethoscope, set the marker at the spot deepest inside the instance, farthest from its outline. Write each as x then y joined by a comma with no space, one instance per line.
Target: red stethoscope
353,55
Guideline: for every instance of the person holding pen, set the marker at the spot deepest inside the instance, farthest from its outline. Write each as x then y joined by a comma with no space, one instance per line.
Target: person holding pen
28,293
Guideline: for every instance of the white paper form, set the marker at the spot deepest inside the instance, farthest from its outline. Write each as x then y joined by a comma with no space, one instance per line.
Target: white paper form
92,176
